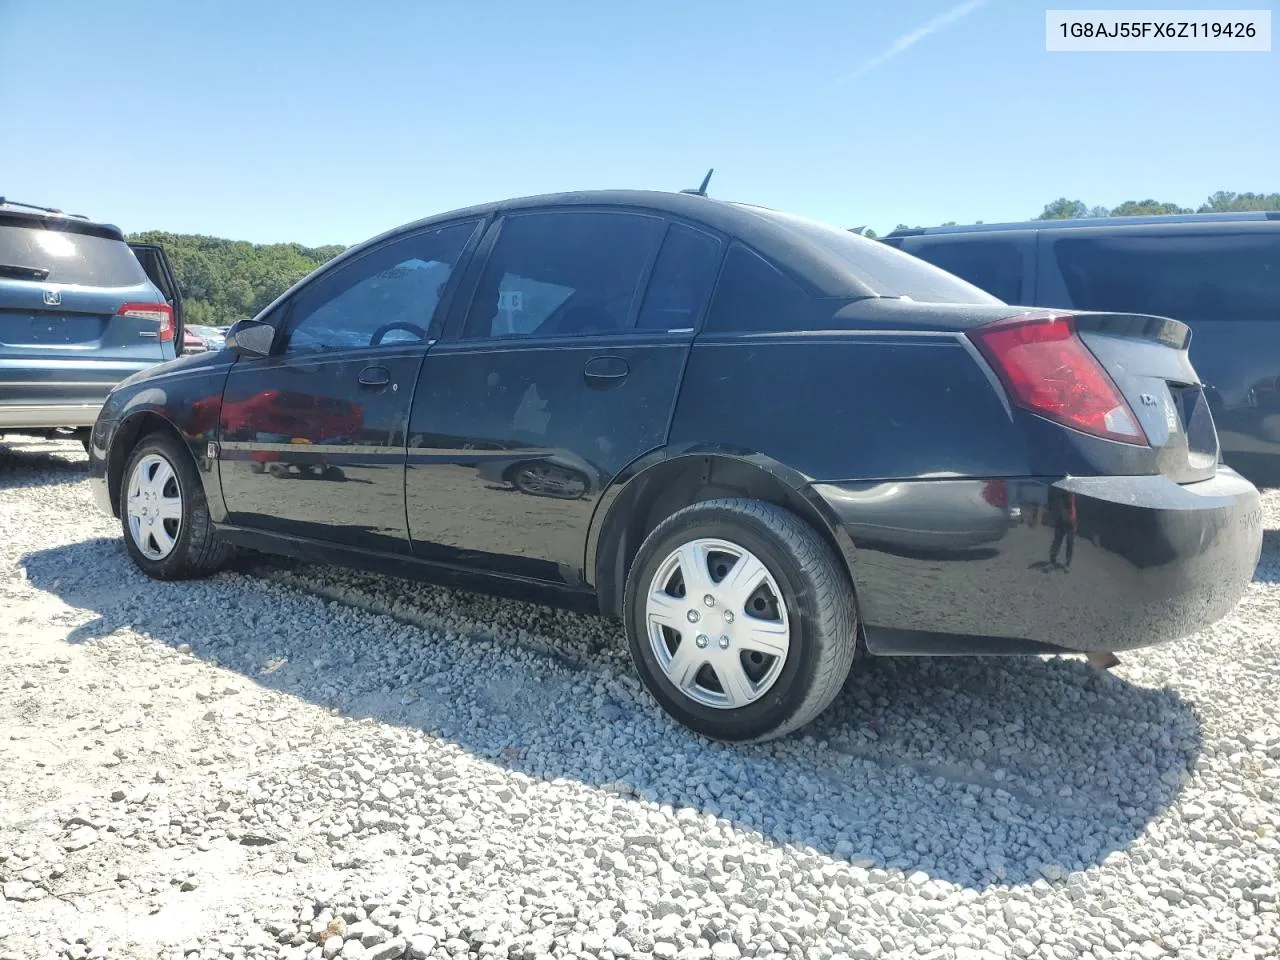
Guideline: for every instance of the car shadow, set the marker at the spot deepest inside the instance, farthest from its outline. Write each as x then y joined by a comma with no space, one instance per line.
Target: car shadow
1268,570
994,757
27,462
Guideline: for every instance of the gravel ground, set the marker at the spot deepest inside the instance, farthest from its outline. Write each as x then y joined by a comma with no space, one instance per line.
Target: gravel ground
300,762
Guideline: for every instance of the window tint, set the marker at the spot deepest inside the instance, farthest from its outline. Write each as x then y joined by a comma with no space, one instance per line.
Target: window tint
753,295
398,283
887,271
562,274
681,280
65,256
1197,278
993,265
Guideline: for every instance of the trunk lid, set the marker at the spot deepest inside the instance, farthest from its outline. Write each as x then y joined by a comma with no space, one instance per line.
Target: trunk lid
1148,360
70,322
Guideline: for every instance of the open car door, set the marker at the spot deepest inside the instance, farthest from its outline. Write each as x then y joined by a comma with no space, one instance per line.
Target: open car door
156,264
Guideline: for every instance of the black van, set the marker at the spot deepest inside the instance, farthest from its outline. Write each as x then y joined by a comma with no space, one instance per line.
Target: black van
1219,273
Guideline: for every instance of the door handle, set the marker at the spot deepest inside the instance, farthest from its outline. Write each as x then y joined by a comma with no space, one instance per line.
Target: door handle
375,377
605,372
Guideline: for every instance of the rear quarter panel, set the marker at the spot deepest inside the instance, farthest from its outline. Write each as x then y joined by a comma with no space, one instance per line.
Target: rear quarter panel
851,405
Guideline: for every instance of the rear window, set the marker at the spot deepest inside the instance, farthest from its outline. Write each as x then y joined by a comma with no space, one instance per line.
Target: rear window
884,269
993,265
1194,278
68,256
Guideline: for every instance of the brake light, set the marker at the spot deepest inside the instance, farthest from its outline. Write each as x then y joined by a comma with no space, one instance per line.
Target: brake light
162,313
1048,370
996,493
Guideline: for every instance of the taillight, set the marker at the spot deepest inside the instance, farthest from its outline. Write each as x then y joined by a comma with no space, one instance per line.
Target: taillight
160,312
1048,370
996,493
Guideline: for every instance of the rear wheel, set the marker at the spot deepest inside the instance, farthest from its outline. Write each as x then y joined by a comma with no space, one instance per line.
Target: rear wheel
740,619
167,529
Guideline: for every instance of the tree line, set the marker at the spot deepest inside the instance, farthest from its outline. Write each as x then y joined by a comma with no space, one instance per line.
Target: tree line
1063,208
224,280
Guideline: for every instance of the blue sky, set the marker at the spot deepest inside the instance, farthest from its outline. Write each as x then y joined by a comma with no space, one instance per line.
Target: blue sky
331,121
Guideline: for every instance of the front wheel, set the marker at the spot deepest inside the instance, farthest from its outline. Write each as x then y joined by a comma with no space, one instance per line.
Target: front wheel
167,529
740,619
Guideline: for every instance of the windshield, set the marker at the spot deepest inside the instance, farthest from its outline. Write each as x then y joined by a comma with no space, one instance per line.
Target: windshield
68,257
886,270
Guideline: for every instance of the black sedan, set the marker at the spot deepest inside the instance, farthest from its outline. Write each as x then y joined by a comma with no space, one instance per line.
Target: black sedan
760,441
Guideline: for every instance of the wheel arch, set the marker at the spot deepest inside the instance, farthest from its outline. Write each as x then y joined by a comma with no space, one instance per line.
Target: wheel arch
659,484
127,436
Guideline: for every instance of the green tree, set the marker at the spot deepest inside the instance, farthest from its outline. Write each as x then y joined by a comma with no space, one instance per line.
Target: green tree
224,280
1063,209
1225,202
1146,208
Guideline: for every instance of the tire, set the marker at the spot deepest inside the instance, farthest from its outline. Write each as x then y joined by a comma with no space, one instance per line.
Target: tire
802,608
168,470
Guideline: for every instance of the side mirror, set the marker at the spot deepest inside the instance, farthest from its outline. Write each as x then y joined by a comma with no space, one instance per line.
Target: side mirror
250,338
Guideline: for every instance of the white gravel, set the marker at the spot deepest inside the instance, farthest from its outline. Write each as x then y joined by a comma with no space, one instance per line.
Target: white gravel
303,762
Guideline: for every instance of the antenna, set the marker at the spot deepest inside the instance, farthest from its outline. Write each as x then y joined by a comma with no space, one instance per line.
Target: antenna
702,190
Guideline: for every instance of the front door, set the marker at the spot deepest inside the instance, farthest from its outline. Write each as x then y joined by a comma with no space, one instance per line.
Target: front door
563,372
313,436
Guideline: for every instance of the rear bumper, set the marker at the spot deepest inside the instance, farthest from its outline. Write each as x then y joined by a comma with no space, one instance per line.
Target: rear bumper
43,393
1041,565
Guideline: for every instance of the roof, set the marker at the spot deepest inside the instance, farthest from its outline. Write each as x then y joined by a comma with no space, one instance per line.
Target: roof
12,212
809,262
1080,222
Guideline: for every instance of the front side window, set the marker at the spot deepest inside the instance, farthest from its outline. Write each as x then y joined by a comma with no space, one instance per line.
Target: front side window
1202,278
385,297
562,274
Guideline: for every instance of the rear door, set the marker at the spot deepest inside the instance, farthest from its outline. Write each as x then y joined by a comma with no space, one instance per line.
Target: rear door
160,272
1222,280
77,313
313,436
561,371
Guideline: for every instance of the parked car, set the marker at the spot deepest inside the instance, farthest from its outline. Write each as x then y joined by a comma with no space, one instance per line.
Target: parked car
214,338
747,380
1218,273
192,342
78,314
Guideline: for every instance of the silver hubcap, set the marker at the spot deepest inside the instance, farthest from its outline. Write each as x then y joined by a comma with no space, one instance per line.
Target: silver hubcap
154,506
717,623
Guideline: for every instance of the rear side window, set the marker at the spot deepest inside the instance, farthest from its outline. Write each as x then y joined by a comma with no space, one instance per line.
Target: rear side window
66,256
887,271
754,295
993,265
681,280
1195,278
563,274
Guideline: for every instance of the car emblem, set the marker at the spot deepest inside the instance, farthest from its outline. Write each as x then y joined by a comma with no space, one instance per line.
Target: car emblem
52,297
1148,400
